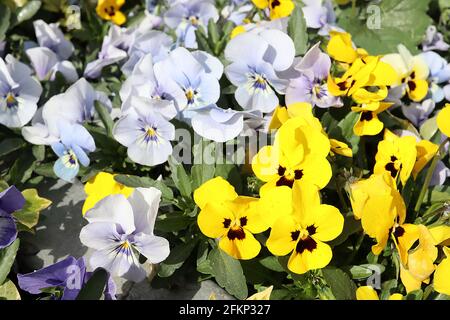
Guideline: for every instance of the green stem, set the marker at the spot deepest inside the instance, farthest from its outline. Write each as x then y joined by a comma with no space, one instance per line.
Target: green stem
428,178
341,196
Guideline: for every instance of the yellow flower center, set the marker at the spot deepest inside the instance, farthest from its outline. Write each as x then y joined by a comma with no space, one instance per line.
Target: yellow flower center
190,95
193,20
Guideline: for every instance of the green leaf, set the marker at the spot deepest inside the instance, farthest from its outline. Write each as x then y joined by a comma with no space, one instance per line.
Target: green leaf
105,117
7,257
180,177
341,285
438,194
429,128
5,15
38,152
201,173
29,214
414,295
343,131
94,288
176,259
144,182
8,291
213,33
272,263
23,168
10,145
28,11
173,223
351,226
364,271
228,273
297,31
381,28
45,170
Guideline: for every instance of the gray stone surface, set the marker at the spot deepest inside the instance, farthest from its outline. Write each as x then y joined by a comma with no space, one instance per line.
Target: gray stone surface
57,236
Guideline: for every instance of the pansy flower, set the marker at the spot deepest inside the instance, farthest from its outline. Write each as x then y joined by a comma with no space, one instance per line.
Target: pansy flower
396,155
311,85
439,74
121,229
298,154
341,48
230,218
441,282
412,73
110,10
101,186
434,40
19,93
319,14
303,233
73,148
368,123
68,275
51,36
187,16
277,8
146,134
418,112
11,200
256,58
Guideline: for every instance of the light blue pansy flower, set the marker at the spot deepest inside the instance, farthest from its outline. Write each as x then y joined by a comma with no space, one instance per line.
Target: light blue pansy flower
439,74
196,74
120,229
185,17
19,93
145,133
50,36
256,58
72,149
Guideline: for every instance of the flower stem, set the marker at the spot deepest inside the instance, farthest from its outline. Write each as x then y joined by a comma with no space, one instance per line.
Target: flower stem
428,177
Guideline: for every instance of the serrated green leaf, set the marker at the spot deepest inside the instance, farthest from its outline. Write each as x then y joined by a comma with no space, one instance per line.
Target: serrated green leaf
8,291
94,288
29,214
228,273
381,28
342,287
7,257
297,31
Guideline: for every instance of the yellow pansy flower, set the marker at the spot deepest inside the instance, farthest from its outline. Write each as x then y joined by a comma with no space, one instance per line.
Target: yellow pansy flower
419,265
441,281
368,123
277,8
263,295
369,293
110,10
231,218
426,150
101,186
441,234
298,154
412,73
443,120
382,211
304,232
396,155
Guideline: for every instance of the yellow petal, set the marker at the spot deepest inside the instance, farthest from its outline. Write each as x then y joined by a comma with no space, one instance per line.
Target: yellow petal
212,219
443,120
274,203
440,233
426,150
318,258
341,148
280,116
280,241
304,196
282,10
261,4
396,296
316,171
366,293
263,295
410,282
340,47
417,89
327,220
257,220
266,162
408,234
216,190
245,249
119,18
368,124
442,277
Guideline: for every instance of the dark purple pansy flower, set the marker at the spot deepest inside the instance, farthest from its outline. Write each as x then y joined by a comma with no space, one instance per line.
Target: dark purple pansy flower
11,200
69,274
